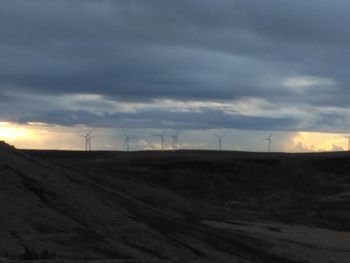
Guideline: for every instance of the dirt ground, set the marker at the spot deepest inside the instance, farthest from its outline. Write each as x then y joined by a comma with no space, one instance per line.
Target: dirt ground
186,206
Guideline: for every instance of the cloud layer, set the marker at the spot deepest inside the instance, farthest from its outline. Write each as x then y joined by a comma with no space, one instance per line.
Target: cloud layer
255,65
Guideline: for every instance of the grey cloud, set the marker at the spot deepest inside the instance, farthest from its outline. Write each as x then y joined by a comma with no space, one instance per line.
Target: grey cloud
142,50
205,119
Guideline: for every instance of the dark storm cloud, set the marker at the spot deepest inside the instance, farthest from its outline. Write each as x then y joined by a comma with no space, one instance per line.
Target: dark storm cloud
198,50
205,119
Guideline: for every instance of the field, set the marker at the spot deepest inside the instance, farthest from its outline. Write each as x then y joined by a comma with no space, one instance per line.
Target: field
186,206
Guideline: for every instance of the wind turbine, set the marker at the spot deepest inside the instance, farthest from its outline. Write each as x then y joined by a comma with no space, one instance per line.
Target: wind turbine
175,138
219,136
88,138
348,137
127,141
269,142
162,138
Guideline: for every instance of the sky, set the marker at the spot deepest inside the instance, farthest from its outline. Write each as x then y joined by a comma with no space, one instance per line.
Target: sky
238,68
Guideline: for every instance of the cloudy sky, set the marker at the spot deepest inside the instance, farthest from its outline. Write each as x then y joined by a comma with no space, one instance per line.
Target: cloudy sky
235,67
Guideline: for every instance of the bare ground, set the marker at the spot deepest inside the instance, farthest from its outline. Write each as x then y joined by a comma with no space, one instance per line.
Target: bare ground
189,206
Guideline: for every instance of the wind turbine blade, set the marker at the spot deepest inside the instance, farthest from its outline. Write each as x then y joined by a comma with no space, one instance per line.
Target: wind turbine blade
216,135
87,133
125,133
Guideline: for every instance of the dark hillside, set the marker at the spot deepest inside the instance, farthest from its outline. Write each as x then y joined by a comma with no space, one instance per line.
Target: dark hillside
189,206
302,188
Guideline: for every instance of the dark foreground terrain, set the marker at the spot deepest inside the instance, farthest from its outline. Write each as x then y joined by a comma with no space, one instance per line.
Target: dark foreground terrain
189,206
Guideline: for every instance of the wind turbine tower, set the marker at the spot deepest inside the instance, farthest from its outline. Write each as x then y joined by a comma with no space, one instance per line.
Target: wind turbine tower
162,138
175,138
127,141
219,140
269,142
88,138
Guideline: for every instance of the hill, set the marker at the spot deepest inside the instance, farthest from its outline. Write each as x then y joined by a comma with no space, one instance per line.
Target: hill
191,206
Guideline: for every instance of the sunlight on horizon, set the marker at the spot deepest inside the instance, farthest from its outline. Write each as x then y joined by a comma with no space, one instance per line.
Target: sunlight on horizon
44,136
11,132
317,142
38,136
